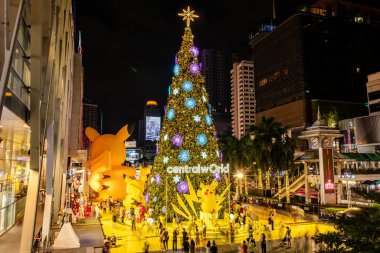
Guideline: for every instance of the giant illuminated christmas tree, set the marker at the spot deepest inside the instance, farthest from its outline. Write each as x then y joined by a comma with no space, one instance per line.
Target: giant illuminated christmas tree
187,139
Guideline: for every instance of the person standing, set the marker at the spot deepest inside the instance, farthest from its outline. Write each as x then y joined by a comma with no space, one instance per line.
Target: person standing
204,230
186,245
244,248
197,239
214,249
184,237
192,246
165,238
133,220
175,234
97,212
263,243
251,247
208,247
288,237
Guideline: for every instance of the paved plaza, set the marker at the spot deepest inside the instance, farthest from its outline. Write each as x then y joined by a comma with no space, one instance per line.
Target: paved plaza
302,231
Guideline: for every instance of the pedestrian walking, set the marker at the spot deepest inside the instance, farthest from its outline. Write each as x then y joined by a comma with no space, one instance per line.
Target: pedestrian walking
175,234
244,248
197,239
165,238
133,220
208,247
214,249
263,243
192,246
184,237
97,212
204,230
251,246
288,237
146,247
186,245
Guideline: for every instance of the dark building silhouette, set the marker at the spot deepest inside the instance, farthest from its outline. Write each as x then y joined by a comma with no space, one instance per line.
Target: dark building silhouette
215,69
320,57
92,117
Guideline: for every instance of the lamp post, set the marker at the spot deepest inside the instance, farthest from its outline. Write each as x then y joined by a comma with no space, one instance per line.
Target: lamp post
348,179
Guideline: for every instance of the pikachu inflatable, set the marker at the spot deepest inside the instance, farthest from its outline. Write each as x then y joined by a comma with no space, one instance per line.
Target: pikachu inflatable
107,154
135,189
208,198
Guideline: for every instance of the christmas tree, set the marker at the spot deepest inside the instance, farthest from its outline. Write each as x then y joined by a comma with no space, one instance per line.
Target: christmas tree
188,136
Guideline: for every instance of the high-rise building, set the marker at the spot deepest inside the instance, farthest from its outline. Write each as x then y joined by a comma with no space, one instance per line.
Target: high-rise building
149,129
215,70
317,58
92,117
373,92
242,98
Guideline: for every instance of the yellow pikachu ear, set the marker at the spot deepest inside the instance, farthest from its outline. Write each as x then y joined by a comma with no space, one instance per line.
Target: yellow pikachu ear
125,132
91,133
214,184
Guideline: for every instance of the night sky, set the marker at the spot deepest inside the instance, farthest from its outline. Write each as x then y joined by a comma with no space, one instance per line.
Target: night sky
129,47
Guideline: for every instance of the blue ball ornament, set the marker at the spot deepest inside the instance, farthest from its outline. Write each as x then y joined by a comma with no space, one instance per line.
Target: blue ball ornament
184,156
190,103
201,139
170,114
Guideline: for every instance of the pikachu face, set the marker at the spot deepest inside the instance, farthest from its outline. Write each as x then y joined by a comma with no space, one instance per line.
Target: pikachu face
208,198
114,144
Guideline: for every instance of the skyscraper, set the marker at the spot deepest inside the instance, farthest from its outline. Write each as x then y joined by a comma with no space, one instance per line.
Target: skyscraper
316,58
149,128
92,117
215,69
242,98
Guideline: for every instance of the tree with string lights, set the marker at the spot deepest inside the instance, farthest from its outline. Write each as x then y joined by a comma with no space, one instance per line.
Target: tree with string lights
188,136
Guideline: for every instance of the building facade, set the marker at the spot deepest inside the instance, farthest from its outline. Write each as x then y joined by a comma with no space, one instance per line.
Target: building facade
36,87
314,59
242,98
215,68
373,93
92,117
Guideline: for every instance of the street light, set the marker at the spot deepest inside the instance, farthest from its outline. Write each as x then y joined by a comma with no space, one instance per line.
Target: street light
349,179
239,175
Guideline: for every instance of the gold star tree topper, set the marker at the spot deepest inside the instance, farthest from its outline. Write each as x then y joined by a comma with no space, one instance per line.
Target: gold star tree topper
188,15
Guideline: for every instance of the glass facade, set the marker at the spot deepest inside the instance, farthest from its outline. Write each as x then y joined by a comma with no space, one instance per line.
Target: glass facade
14,166
19,77
14,132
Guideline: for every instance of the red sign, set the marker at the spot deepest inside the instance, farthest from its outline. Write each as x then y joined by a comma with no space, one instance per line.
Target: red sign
328,170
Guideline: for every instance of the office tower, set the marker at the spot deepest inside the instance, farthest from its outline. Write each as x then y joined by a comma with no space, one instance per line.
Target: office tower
215,70
320,57
92,117
242,98
149,129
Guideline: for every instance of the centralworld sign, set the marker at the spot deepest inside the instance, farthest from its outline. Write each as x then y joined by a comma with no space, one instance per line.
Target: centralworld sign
213,168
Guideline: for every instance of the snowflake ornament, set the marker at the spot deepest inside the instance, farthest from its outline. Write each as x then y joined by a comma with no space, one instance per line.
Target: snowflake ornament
176,179
166,159
217,153
152,180
197,118
166,137
204,99
163,209
204,155
176,91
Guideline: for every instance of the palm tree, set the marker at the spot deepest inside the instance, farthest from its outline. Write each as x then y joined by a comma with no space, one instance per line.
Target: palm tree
264,135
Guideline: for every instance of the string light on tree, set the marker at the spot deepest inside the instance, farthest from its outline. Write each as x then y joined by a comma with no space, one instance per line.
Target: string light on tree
187,136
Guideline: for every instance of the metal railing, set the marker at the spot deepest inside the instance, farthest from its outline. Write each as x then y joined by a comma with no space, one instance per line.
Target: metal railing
11,213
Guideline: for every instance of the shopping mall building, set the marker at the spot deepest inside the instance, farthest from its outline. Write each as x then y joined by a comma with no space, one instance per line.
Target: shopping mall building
41,90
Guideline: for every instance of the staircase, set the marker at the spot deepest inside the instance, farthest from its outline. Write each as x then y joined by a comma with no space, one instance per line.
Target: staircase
298,183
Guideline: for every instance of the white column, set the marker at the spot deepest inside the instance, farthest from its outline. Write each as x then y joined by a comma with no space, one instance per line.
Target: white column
49,182
35,123
339,188
321,176
307,188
